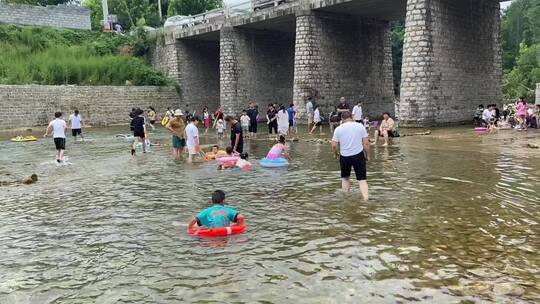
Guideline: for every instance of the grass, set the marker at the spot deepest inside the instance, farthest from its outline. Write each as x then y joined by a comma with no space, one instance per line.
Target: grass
37,55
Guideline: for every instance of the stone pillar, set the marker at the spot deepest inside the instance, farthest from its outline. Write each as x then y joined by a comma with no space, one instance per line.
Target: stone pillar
538,93
228,71
336,56
451,60
307,59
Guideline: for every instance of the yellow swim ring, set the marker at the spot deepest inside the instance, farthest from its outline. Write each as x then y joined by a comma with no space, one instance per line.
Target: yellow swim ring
164,121
211,155
23,138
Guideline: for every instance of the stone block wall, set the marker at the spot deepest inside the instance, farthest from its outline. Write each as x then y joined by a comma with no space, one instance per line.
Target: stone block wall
451,60
338,55
56,16
26,106
198,73
256,65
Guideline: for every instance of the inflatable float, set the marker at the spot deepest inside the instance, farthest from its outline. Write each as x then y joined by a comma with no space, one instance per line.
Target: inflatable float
164,121
481,130
226,159
217,232
274,163
219,153
24,138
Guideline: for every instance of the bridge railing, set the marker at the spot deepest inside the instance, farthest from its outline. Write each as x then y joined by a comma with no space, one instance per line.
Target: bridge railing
237,9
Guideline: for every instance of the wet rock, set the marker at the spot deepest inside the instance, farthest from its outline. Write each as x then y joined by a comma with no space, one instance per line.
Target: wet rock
511,289
484,273
30,179
532,146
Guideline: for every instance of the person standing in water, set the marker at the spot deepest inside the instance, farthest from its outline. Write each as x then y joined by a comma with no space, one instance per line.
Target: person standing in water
75,122
58,127
139,131
317,120
253,114
350,142
152,117
206,119
192,138
177,127
237,140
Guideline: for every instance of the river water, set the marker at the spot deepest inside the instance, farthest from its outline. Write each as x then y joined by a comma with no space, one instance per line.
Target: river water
453,217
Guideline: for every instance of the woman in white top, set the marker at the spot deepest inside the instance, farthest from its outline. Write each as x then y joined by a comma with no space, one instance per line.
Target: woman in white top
317,120
283,121
357,112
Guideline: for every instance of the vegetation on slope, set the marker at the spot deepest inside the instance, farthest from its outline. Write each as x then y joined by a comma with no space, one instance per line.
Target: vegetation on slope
54,57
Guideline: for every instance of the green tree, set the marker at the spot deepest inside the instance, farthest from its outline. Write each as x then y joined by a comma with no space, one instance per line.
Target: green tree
520,24
397,32
129,12
525,74
191,7
40,2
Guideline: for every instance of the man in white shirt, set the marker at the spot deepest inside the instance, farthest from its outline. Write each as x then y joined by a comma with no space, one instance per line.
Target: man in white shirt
192,138
75,121
351,143
487,115
357,112
58,127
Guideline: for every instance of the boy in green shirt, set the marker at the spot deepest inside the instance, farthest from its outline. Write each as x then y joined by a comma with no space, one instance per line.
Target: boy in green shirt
217,216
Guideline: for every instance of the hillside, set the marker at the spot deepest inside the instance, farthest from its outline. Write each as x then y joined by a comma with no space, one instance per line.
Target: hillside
38,55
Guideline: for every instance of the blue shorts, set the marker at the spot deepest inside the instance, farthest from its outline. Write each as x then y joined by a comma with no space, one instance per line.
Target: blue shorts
177,142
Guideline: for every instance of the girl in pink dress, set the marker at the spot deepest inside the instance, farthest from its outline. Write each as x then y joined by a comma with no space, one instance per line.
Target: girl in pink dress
206,119
521,113
278,149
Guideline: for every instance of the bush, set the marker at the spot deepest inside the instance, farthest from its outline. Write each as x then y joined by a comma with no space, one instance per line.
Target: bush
56,57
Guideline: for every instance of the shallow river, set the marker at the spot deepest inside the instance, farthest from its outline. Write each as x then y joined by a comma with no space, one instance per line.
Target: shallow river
453,217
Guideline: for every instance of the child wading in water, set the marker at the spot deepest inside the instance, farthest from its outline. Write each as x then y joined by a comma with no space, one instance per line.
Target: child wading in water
58,127
220,126
217,216
139,131
244,122
278,149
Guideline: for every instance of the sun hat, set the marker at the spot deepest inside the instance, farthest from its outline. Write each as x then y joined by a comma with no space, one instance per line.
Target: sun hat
178,112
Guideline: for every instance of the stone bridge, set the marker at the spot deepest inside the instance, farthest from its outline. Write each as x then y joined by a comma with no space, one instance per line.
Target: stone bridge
330,48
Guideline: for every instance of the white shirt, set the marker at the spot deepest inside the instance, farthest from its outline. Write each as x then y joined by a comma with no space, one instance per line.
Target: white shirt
357,113
283,118
350,136
75,121
244,120
191,133
317,116
220,127
59,128
487,114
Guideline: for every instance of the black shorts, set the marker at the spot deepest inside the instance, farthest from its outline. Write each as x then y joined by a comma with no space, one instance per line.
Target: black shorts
76,132
152,122
60,143
358,162
390,134
318,124
253,127
291,123
138,134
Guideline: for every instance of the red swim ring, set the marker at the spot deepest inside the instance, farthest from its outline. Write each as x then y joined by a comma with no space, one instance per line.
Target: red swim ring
216,232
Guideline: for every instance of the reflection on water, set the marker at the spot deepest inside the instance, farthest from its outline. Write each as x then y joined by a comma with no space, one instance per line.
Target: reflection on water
453,217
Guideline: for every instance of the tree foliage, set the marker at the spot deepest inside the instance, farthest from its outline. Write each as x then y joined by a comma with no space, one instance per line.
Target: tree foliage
39,2
46,56
191,7
520,33
130,12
